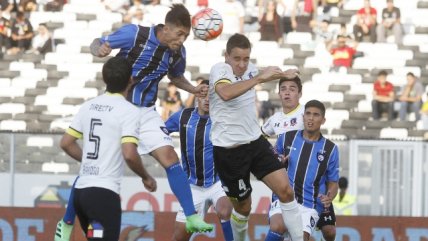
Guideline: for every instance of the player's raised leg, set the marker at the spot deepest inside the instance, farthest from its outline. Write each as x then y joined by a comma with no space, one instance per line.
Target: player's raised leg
180,187
64,226
278,182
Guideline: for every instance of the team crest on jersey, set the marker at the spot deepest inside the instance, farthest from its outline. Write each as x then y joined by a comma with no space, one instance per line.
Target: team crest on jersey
312,222
163,128
293,121
321,156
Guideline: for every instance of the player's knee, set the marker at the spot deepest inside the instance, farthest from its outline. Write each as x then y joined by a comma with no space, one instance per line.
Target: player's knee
224,213
243,207
329,233
277,227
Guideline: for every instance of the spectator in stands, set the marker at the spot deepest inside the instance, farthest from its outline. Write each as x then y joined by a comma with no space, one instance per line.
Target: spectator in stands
140,19
118,6
332,3
27,6
342,53
52,5
284,8
233,13
4,34
42,41
322,33
390,23
270,23
22,34
303,15
171,102
344,31
7,6
190,101
130,14
156,12
366,23
424,114
383,97
411,97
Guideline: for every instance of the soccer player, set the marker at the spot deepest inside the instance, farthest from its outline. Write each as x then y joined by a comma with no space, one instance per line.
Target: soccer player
155,52
108,126
291,118
239,147
194,126
313,163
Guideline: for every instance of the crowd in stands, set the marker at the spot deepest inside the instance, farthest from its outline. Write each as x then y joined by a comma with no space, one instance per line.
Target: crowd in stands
273,19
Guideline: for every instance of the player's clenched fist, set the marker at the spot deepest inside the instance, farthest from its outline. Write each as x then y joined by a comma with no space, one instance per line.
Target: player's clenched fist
104,50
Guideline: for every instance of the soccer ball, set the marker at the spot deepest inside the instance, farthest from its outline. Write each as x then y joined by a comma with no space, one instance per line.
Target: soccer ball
207,24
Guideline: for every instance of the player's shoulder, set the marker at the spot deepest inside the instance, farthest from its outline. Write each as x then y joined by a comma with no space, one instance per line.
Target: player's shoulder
221,66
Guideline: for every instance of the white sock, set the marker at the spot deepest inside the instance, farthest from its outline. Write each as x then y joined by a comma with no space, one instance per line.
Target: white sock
292,219
239,224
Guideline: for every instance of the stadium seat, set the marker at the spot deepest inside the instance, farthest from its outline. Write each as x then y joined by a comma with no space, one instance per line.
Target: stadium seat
12,108
393,133
13,125
40,141
4,82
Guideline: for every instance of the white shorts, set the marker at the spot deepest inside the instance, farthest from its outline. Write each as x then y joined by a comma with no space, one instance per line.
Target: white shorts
309,216
200,195
153,133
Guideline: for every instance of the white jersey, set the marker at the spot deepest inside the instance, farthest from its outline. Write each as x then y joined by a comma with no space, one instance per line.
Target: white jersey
104,123
280,122
234,122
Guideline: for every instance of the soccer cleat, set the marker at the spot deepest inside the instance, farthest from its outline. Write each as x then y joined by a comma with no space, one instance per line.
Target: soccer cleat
195,224
63,231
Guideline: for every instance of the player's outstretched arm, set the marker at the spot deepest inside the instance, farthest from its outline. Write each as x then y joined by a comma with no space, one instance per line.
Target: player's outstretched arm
182,83
100,50
69,145
129,151
228,91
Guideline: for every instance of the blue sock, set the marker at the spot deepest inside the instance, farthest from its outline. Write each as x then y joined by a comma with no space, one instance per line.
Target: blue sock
227,230
180,187
273,236
70,214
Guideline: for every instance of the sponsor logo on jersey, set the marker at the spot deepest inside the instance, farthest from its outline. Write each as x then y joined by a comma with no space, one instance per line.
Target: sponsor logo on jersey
163,128
312,222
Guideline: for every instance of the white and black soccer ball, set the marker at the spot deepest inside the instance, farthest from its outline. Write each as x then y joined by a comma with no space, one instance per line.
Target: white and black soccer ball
207,24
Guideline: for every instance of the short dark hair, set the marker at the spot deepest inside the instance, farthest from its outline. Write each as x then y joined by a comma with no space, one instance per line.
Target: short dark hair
343,182
411,74
317,104
205,81
117,73
382,73
178,16
326,21
295,80
237,41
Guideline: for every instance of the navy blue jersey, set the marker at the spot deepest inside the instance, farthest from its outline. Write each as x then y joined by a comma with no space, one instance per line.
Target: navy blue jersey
196,147
150,60
310,165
